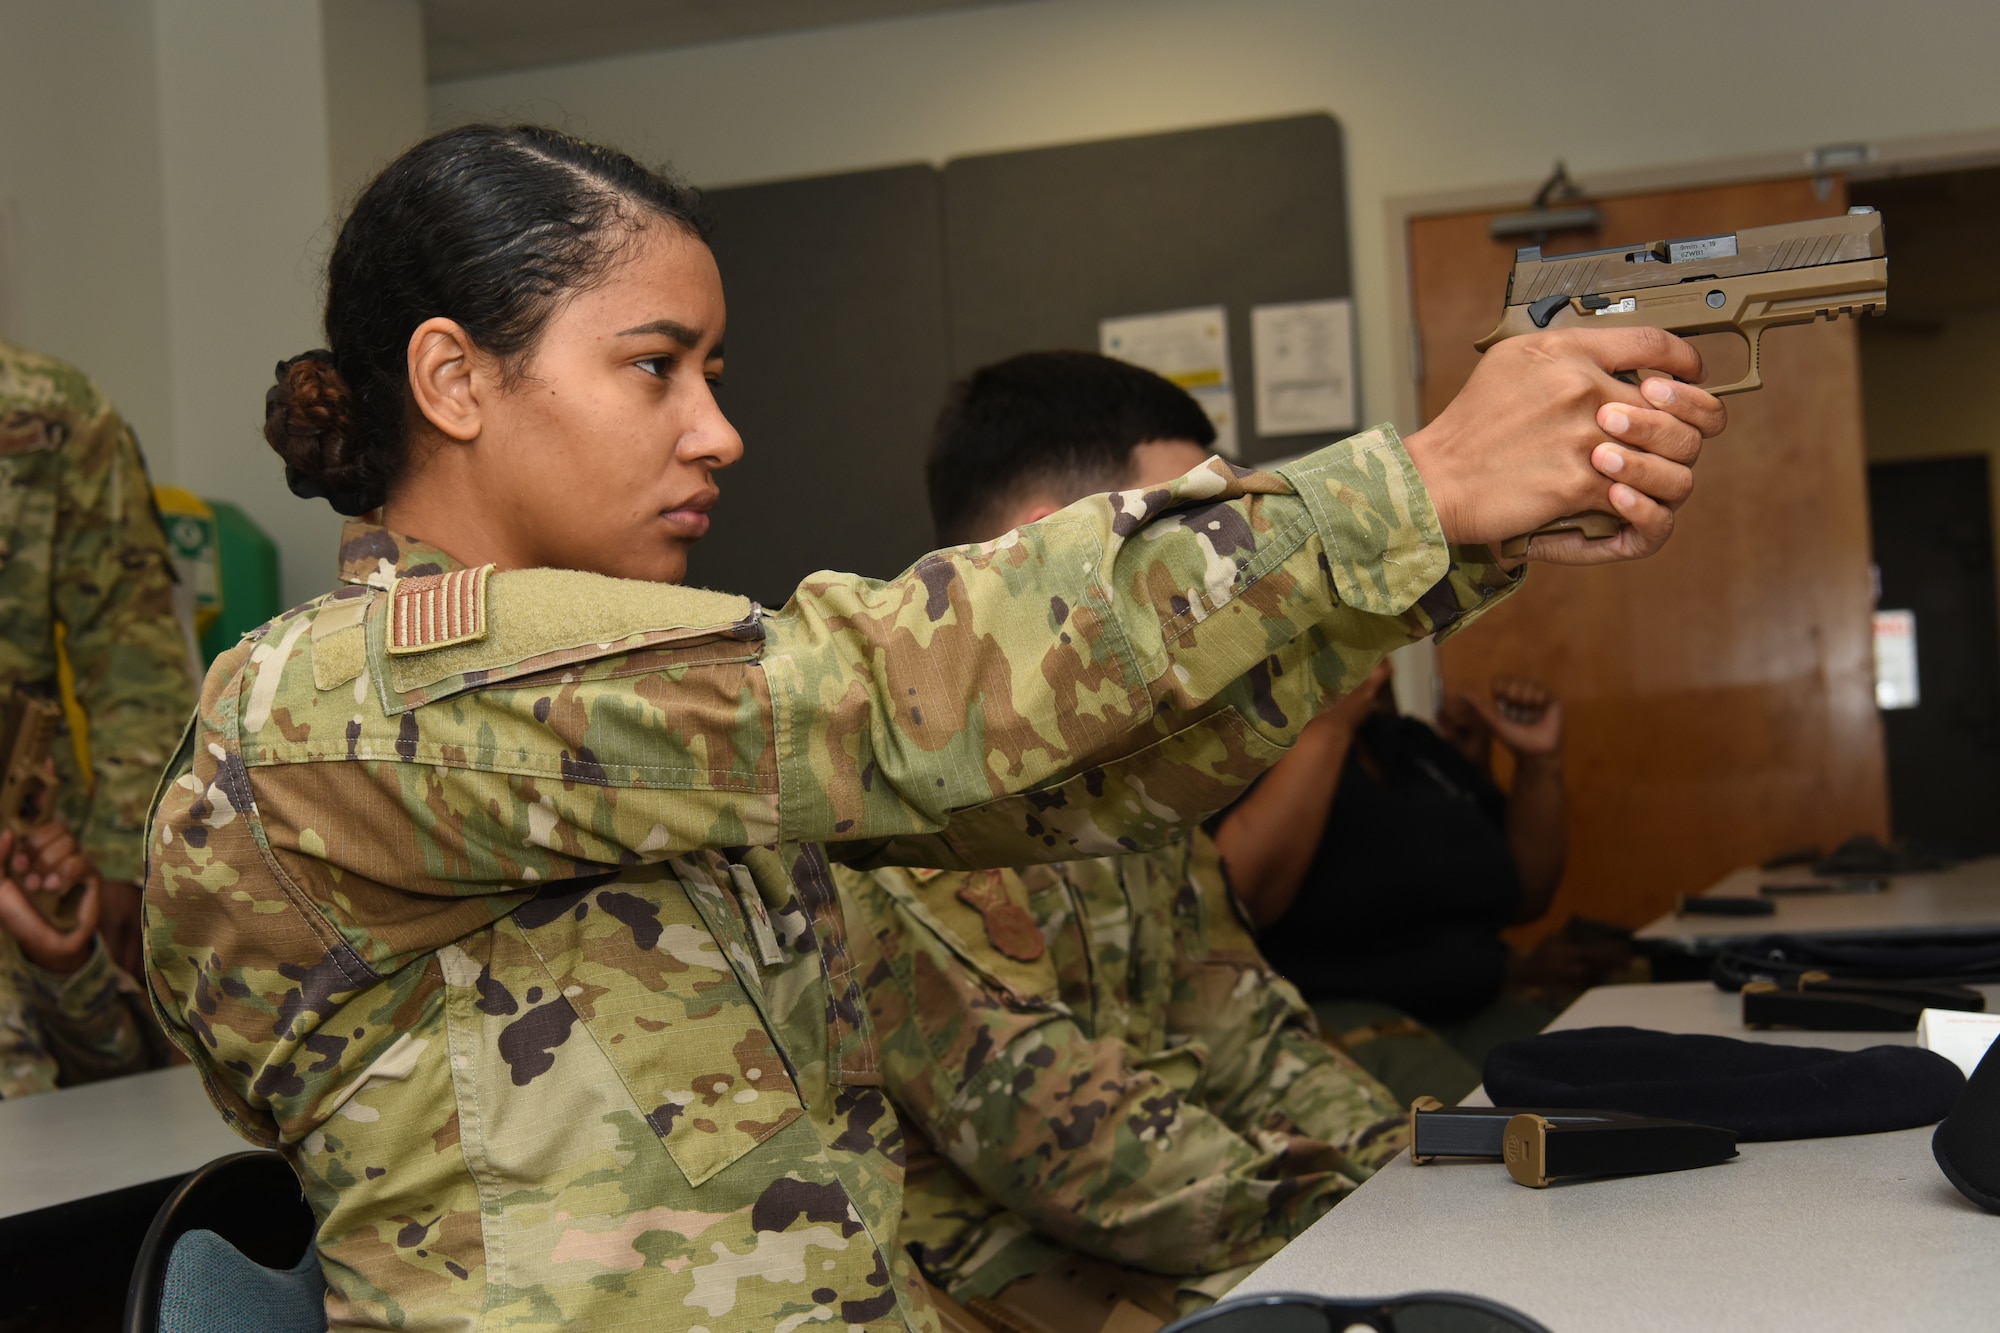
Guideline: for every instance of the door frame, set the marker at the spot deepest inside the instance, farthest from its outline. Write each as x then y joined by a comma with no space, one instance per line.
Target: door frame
1915,155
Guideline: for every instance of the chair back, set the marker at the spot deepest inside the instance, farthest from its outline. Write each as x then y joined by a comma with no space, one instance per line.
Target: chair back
230,1251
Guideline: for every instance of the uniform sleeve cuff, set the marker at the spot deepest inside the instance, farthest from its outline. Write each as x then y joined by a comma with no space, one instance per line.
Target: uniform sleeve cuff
74,994
1477,583
1382,537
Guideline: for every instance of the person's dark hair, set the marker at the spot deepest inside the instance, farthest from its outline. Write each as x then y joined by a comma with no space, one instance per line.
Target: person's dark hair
1066,422
488,225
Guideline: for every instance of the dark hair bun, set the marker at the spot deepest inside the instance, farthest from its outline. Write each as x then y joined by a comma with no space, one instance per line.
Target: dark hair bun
309,420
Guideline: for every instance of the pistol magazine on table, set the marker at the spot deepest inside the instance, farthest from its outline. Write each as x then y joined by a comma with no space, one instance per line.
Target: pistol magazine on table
1741,282
1540,1146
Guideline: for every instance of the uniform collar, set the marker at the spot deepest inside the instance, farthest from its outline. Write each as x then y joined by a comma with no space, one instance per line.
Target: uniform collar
375,557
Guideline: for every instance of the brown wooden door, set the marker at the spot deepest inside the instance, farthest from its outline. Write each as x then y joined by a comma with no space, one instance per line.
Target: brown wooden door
1720,695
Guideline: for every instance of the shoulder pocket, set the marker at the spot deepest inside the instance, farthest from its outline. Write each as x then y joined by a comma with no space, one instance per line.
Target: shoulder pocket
537,620
28,432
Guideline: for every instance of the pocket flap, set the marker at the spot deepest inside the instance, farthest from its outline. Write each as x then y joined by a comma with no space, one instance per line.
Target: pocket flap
655,990
535,620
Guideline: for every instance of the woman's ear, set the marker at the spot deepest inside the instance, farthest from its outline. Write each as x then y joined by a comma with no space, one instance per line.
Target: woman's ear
442,360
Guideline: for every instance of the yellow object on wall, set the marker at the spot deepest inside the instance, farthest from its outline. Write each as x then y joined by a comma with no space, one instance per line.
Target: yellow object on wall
191,533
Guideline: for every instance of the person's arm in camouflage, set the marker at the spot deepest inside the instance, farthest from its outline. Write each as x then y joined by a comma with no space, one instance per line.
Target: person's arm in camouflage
1085,684
1124,646
71,1017
113,592
27,1066
1268,1073
89,1019
1114,1155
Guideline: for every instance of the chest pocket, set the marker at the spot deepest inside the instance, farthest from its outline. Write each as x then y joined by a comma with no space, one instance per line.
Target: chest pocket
657,991
983,918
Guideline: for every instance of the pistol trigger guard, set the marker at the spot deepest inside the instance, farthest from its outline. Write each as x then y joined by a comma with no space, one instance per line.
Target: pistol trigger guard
1753,377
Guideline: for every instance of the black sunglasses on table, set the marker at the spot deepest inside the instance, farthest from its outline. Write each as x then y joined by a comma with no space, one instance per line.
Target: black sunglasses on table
1423,1312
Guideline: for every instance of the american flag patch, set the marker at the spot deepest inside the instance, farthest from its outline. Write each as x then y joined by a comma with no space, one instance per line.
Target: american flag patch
436,610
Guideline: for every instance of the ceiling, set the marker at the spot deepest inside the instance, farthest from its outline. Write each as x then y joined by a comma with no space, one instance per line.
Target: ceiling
465,38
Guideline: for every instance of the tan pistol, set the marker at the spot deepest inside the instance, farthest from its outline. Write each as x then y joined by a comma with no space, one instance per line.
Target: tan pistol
27,730
1741,282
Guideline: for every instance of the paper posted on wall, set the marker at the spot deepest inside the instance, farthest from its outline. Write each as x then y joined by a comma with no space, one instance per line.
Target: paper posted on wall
1896,680
1302,356
1189,347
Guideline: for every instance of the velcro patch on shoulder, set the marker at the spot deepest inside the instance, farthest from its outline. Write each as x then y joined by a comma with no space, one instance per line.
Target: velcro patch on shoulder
438,610
339,658
536,619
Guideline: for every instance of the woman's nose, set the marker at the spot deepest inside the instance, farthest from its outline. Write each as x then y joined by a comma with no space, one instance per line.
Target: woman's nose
712,440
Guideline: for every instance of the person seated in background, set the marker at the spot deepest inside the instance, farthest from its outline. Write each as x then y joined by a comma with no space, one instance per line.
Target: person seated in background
1100,1078
1319,853
83,555
86,577
68,1014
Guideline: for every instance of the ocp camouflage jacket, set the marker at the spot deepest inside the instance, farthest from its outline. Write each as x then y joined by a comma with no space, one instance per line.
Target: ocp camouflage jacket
497,899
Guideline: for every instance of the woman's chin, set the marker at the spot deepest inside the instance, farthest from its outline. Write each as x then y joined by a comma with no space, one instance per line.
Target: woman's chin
663,571
669,566
642,562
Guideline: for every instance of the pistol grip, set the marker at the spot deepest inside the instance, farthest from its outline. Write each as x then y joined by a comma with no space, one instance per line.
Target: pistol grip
1592,523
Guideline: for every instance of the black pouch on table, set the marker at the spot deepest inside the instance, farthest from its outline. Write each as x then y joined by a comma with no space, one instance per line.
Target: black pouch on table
1759,1090
1967,1144
1961,960
1820,1002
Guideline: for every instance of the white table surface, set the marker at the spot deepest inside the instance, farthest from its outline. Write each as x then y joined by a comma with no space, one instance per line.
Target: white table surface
1860,1234
1965,897
71,1144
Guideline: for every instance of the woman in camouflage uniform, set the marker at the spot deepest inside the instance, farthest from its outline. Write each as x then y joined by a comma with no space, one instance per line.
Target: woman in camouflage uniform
490,887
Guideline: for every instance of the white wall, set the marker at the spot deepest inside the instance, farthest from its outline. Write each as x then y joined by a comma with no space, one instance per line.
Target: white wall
243,135
270,115
171,175
1434,96
80,187
376,102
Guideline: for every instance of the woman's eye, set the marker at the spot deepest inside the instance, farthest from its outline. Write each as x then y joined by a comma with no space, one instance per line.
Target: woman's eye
656,366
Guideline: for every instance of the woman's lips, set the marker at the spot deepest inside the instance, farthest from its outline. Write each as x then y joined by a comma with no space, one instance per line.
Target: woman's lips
689,520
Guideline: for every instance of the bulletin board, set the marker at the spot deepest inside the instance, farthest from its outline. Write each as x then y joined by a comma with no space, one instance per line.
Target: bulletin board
1042,245
834,366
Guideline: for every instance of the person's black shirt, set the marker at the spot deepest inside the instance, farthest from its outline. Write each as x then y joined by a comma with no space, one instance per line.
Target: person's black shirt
1411,884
